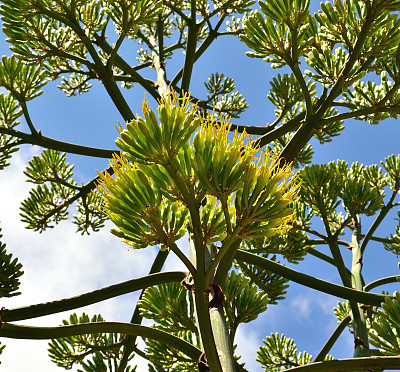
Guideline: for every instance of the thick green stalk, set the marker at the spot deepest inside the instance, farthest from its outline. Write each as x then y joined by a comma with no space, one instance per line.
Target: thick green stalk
349,365
43,333
310,281
47,308
361,347
218,320
200,297
221,338
226,263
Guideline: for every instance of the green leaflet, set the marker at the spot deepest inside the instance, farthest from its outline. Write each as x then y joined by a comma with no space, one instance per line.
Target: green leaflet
10,272
105,349
280,352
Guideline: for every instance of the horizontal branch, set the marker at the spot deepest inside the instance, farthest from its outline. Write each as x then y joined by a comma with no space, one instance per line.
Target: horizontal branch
381,240
382,281
90,298
45,333
53,144
354,364
260,130
310,281
357,113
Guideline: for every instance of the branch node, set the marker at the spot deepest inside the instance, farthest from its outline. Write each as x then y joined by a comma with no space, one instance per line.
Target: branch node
202,363
218,297
1,315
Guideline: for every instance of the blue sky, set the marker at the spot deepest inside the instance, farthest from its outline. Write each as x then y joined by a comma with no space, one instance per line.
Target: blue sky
60,263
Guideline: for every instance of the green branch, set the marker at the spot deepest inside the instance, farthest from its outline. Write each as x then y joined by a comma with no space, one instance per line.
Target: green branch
89,298
324,257
344,365
177,11
32,128
300,78
360,330
53,144
221,10
334,247
382,214
202,48
185,260
332,339
84,190
190,50
123,65
357,113
310,281
290,126
104,75
382,281
260,130
62,53
305,132
43,333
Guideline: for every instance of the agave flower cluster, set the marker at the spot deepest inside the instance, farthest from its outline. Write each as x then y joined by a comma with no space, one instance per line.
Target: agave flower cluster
181,171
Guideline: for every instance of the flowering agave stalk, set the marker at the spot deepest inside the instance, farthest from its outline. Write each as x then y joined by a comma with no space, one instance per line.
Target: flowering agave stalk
181,172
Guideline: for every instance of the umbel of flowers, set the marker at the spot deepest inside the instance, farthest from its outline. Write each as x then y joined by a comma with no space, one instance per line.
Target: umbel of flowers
181,171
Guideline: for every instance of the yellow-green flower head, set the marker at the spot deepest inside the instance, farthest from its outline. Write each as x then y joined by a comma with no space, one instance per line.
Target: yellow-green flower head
262,202
165,172
137,207
152,140
220,162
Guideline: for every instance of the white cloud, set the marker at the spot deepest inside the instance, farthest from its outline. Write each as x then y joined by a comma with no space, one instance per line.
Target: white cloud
248,349
57,264
304,304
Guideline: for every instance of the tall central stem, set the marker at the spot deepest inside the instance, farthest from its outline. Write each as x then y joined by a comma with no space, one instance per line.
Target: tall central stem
214,315
361,347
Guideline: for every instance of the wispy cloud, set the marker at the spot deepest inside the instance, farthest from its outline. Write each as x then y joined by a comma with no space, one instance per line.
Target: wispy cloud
248,349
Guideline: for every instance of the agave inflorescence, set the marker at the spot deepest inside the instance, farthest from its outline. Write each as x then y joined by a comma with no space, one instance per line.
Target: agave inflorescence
183,170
